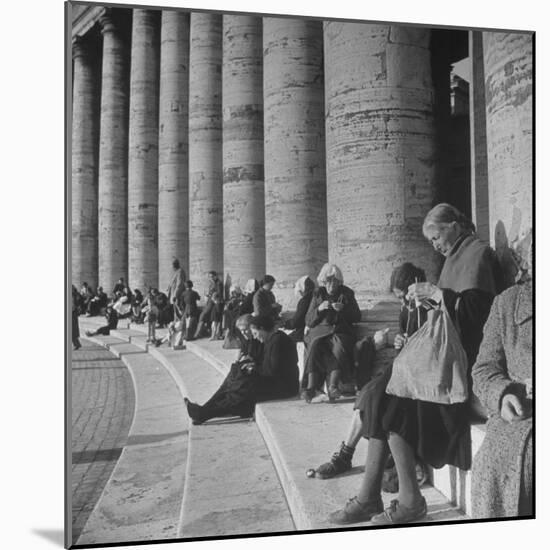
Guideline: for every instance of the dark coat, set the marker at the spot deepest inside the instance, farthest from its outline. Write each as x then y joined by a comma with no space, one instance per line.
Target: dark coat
263,303
504,363
298,322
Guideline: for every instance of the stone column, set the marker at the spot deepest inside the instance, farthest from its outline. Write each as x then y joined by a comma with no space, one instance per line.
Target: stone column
113,154
478,138
243,149
380,152
205,148
85,134
508,61
173,206
295,177
143,150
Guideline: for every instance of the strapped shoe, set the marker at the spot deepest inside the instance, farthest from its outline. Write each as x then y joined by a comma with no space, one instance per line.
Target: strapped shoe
339,463
397,513
356,512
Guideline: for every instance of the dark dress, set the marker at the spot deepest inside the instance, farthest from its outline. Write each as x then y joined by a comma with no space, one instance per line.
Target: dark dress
331,338
248,304
298,322
263,303
112,322
440,434
189,299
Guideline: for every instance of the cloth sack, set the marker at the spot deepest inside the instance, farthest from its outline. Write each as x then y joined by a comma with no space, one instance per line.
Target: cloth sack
432,366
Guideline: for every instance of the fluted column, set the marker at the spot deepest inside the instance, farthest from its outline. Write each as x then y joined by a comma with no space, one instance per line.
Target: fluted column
85,132
243,149
113,154
205,148
380,151
173,214
478,138
143,150
508,61
295,179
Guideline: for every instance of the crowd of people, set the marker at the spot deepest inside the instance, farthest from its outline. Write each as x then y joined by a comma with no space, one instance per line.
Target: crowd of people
495,334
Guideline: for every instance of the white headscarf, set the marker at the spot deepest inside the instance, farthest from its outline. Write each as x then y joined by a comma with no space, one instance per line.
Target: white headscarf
235,288
329,270
250,286
300,286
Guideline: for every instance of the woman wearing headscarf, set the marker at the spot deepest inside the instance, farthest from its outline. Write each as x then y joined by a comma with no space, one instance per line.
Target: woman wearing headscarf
502,473
330,338
409,428
249,290
304,291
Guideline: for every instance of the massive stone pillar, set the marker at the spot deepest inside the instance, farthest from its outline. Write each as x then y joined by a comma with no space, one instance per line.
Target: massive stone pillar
113,153
243,149
508,61
143,150
173,205
478,138
380,151
85,134
205,148
295,177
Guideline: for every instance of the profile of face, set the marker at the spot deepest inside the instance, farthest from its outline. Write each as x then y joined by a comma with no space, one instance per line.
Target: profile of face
211,276
268,285
443,236
399,294
259,333
245,331
332,285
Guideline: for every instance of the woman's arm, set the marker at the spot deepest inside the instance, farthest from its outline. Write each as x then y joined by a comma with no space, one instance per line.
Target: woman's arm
351,312
313,315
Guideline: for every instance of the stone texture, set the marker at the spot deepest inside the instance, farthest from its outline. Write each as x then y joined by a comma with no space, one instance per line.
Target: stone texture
113,154
205,148
243,149
85,135
173,215
508,59
295,180
143,150
478,138
380,151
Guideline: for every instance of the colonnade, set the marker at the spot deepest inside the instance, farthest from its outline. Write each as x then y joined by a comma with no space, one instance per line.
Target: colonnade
249,145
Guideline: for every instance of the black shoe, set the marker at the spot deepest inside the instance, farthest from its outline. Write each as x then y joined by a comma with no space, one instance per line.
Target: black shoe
339,463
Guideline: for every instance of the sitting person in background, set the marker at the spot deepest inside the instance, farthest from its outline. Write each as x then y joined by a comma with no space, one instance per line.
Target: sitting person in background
190,309
372,392
330,339
502,473
112,322
231,312
214,286
274,376
249,290
97,303
137,305
176,330
264,301
87,295
304,291
123,305
119,287
165,309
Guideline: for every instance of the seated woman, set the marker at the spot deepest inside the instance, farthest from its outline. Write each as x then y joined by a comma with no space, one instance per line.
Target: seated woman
97,303
304,290
502,473
330,339
137,305
368,400
249,290
267,368
112,322
123,305
231,312
264,301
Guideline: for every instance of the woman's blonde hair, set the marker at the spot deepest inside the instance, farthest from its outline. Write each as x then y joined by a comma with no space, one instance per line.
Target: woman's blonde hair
445,214
329,271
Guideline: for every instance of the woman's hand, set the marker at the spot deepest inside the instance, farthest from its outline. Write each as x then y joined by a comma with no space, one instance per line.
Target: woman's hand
424,291
338,306
512,409
399,341
323,305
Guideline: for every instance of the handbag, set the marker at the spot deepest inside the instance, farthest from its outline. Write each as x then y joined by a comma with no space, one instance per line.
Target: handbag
432,366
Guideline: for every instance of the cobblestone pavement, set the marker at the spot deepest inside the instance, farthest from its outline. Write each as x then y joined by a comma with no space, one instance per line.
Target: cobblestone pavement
102,412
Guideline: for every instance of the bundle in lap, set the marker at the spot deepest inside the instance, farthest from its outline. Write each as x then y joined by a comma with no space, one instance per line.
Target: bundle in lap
432,366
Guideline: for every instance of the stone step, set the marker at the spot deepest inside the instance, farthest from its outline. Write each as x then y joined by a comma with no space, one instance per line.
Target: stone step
231,483
301,436
142,499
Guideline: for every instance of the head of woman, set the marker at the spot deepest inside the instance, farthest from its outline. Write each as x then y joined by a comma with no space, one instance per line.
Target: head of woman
330,277
235,291
403,276
261,327
303,286
443,225
267,282
243,324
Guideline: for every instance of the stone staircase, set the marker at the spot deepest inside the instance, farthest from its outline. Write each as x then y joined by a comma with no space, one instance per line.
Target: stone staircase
227,476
